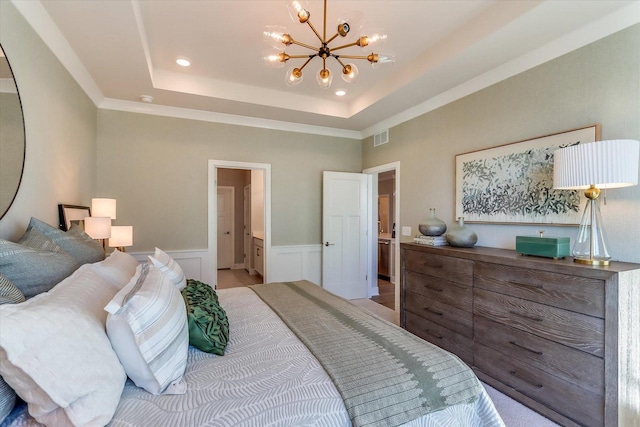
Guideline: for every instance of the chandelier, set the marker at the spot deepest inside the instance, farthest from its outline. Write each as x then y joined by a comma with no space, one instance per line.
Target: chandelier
278,37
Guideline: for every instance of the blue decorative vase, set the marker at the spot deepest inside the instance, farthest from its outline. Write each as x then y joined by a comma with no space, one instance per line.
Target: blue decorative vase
461,236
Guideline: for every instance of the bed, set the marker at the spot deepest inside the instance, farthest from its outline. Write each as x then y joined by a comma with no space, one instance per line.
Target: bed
296,355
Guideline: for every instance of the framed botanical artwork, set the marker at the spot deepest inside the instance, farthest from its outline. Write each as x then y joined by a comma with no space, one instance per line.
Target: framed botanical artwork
513,183
72,214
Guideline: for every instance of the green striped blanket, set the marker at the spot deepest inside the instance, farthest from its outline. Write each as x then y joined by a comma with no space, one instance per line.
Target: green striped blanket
386,375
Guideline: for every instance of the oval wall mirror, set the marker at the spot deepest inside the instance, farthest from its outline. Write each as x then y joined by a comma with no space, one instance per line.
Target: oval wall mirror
12,139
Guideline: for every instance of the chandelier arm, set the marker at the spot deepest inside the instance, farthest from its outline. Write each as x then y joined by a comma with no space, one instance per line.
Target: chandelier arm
333,38
306,62
301,56
304,45
353,56
337,58
324,32
315,31
343,46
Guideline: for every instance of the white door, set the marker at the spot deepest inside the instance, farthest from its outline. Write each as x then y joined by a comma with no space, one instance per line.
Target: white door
344,231
247,228
225,227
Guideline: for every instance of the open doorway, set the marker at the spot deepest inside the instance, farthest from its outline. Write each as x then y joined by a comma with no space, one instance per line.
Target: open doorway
385,256
239,213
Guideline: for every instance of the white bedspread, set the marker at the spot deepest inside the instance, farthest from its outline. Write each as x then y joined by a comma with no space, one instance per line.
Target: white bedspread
266,378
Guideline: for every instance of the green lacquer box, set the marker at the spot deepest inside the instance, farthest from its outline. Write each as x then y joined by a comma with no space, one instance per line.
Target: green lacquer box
548,247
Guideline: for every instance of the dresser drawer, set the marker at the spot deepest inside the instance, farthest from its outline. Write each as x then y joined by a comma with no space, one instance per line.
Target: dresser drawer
452,269
578,404
460,321
574,293
569,364
575,330
444,338
438,289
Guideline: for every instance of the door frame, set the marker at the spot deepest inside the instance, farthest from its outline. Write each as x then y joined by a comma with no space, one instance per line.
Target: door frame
232,195
212,220
373,206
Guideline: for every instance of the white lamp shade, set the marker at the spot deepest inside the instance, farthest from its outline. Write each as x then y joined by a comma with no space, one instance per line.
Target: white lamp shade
98,227
103,207
605,164
121,235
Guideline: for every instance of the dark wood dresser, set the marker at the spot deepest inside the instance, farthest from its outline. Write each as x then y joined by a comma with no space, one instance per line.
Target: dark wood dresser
560,337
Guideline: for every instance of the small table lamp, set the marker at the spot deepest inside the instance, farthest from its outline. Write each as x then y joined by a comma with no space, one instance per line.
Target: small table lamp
98,227
121,236
103,207
592,166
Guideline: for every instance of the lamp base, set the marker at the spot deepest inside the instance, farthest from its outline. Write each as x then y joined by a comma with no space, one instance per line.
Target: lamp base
588,261
119,248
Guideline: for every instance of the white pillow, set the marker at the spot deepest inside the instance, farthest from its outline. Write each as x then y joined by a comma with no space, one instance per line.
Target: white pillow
55,353
147,326
170,267
119,268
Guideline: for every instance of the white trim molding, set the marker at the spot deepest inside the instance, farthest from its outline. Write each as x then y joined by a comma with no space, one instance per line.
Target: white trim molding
194,263
300,262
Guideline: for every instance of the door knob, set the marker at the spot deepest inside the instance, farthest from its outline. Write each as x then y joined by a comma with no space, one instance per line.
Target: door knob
227,232
329,244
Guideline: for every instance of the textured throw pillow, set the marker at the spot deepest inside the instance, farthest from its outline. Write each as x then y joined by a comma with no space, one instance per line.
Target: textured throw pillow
9,294
75,246
208,323
83,237
147,326
34,271
37,240
170,267
55,353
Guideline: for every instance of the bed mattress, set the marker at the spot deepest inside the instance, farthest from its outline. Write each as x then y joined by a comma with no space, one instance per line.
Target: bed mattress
267,377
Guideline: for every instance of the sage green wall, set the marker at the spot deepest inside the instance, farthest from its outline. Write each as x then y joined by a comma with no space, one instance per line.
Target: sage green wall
156,167
599,83
60,127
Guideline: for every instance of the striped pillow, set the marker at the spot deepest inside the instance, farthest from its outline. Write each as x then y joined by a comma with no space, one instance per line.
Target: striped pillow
76,246
9,294
170,267
147,326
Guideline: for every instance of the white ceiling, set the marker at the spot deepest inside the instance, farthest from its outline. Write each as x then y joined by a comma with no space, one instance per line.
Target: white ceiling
445,49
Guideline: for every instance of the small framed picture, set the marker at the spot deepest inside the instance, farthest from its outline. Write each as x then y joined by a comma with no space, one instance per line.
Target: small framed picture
72,214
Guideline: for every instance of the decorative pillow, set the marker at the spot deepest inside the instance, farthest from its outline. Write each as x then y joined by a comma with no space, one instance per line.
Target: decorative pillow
170,267
119,267
34,271
55,353
80,234
208,323
147,326
37,240
75,246
9,294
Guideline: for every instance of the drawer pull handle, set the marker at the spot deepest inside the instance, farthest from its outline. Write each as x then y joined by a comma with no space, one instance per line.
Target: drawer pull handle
433,311
526,285
428,332
535,319
515,374
433,289
539,353
426,264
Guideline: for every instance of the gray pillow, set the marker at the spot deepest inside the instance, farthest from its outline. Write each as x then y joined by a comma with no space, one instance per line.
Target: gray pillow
37,240
9,294
34,271
74,245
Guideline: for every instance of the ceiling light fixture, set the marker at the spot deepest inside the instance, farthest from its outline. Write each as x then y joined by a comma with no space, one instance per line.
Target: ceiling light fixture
277,36
341,92
183,62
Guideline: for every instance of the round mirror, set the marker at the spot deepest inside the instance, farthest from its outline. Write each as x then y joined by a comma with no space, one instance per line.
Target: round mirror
12,142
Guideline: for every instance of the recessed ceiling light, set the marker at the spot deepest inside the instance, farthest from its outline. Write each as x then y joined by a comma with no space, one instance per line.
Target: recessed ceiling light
341,92
183,62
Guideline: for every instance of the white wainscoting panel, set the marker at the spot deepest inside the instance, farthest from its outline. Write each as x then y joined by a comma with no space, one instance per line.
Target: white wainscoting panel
302,262
288,263
194,263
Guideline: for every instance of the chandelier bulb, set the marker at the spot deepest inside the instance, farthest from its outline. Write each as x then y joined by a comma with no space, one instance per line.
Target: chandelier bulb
293,76
298,11
350,73
324,78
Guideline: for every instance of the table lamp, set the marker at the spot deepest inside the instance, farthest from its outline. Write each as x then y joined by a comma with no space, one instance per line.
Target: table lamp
103,207
98,228
594,166
121,236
